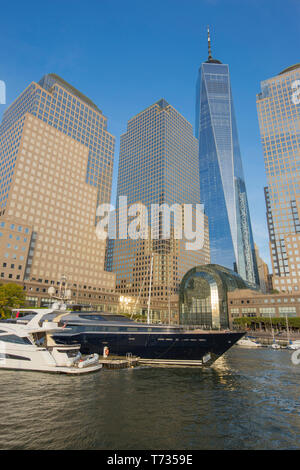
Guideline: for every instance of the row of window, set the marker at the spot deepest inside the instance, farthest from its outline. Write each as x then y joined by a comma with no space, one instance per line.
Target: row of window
15,227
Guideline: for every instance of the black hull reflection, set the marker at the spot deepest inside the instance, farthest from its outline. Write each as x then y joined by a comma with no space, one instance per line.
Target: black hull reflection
189,348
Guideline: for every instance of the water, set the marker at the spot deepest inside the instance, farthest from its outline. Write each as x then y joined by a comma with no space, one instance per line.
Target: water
248,400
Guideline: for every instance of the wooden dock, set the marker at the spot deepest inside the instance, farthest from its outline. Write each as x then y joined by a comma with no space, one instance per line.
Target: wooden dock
119,362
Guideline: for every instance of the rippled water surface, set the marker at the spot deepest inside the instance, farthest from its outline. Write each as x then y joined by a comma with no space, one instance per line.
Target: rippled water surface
250,399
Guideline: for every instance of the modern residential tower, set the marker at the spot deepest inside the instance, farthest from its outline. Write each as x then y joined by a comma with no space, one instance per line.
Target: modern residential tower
56,162
222,183
278,107
158,165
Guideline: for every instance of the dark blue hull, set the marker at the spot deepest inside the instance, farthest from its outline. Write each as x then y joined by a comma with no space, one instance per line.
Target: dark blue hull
187,348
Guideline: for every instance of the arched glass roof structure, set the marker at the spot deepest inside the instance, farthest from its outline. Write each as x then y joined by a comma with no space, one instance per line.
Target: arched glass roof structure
203,295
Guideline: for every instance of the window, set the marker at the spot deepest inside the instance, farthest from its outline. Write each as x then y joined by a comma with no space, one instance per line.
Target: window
267,310
14,339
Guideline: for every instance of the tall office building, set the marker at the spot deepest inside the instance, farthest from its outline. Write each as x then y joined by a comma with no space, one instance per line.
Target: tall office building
265,279
278,107
158,164
56,161
222,183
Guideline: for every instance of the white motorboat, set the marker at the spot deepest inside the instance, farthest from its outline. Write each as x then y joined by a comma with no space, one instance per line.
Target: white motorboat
294,344
31,347
248,342
275,345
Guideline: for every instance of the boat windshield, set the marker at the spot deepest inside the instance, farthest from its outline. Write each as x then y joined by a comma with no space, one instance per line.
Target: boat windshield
40,339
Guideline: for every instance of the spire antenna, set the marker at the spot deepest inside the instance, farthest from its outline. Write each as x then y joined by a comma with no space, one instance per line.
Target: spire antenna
209,44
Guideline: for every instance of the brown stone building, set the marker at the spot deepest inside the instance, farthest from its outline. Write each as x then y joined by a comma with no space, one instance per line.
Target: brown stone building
265,279
278,114
250,303
56,162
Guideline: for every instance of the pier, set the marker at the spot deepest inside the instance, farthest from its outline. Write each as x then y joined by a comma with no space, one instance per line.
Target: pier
119,362
266,338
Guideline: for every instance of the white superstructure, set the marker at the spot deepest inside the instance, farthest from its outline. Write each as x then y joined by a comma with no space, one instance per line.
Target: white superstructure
31,347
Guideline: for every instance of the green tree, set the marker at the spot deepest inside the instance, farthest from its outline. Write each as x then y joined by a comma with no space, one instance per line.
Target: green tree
294,322
11,296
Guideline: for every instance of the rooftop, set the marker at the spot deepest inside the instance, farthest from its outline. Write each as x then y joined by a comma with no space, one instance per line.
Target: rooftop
73,90
289,69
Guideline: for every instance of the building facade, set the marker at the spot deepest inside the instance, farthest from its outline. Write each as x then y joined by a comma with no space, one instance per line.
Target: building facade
56,162
265,279
249,303
222,182
278,107
158,164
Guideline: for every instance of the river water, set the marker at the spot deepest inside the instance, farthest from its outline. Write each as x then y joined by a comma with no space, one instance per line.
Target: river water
249,399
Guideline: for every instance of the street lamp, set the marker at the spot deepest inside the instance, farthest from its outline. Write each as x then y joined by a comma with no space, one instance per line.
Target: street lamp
64,294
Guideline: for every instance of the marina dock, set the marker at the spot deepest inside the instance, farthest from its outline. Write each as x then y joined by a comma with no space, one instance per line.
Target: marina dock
266,338
119,362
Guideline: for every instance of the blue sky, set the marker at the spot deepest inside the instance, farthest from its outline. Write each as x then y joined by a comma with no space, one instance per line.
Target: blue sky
125,55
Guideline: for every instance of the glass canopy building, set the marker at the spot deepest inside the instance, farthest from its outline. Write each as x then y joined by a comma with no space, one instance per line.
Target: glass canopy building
222,183
203,295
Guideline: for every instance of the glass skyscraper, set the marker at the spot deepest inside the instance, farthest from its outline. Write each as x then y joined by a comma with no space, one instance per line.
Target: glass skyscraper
222,183
278,107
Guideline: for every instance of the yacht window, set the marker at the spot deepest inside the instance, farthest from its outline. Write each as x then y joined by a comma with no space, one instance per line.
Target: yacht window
39,339
13,356
69,352
14,339
76,329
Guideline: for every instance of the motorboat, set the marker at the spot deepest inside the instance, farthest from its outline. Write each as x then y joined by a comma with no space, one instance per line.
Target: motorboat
248,342
31,346
275,345
294,344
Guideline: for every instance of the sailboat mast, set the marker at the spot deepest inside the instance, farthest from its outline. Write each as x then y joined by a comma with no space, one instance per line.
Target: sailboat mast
272,329
150,285
287,329
169,293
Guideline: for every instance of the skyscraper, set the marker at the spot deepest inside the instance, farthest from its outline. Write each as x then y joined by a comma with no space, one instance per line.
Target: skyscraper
56,161
158,164
265,279
278,107
222,183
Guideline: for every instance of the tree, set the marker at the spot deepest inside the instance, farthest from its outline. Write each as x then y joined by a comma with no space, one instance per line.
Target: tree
11,296
294,322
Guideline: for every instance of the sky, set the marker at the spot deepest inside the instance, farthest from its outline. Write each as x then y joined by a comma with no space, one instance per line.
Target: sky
126,55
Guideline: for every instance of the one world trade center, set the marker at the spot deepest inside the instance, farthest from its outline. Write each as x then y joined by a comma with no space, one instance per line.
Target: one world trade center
222,183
